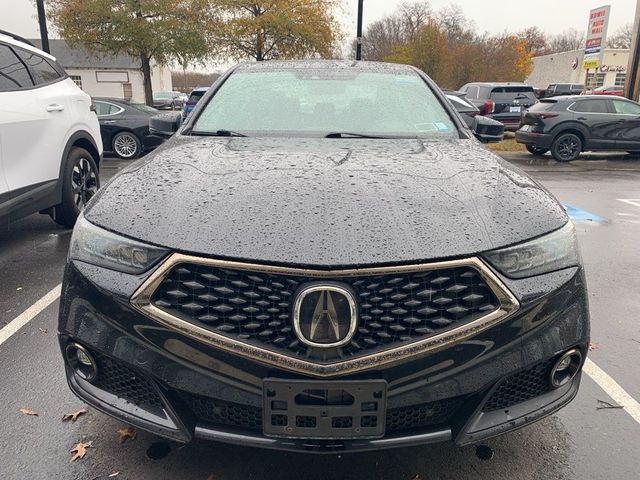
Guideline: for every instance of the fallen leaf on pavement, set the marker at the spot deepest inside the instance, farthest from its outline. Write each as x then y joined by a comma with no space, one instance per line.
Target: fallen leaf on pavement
29,412
43,330
125,434
114,474
73,416
593,346
79,450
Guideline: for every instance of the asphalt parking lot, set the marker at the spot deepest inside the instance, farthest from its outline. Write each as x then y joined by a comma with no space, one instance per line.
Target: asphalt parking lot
584,440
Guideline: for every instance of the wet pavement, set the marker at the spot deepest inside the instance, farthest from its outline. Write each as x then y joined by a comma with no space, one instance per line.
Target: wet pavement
581,441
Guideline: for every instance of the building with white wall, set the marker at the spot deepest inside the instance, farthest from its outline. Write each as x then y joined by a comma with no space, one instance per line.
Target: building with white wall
105,75
566,67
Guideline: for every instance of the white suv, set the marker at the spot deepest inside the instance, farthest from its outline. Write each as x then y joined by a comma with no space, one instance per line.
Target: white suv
50,145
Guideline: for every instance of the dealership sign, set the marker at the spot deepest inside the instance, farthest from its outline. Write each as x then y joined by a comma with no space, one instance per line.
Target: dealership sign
596,37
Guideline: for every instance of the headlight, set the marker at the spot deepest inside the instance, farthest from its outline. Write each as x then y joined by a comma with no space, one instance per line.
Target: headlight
551,252
98,246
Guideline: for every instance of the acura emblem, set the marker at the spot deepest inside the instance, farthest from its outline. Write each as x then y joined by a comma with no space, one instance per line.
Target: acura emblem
324,316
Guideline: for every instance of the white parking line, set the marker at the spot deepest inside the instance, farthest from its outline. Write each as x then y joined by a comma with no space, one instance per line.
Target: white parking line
613,389
631,201
608,384
25,317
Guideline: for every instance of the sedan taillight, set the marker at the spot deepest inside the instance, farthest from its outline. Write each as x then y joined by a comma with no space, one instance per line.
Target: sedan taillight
487,107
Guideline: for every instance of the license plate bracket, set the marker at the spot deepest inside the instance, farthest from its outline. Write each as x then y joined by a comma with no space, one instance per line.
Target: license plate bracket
324,410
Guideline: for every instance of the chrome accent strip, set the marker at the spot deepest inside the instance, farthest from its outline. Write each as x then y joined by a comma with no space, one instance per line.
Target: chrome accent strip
141,301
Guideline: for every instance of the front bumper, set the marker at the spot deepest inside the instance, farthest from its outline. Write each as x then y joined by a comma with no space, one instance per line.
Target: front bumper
173,386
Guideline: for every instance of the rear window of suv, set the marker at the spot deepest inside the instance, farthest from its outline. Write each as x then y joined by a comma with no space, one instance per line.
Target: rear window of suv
43,71
509,93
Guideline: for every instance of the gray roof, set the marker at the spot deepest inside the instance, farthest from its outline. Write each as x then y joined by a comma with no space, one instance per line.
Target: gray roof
78,57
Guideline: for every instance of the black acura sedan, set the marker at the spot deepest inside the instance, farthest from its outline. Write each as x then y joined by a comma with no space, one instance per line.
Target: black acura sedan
323,258
124,127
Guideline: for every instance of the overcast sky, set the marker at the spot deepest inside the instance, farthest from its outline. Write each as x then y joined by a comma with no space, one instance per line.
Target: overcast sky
552,16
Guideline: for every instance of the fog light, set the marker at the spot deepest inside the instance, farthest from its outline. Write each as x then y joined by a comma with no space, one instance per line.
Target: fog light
81,361
566,368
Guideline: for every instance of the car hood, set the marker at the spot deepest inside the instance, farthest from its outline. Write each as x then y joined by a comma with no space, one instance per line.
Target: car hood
325,202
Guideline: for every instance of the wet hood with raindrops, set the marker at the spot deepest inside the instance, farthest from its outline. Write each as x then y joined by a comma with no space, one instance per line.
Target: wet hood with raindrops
325,202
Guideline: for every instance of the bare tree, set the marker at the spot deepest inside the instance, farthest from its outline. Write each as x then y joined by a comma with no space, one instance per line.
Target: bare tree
535,40
383,36
568,40
622,37
458,29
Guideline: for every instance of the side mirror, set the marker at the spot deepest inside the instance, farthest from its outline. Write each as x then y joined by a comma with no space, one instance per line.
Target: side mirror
487,130
165,124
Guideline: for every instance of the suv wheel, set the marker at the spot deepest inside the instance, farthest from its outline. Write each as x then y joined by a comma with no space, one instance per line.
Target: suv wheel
566,147
126,145
536,150
80,182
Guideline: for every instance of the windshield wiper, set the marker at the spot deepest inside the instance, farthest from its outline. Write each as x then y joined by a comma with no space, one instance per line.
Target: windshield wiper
350,135
220,133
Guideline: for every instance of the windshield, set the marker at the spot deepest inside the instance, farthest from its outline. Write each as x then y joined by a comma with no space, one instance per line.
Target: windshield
317,102
162,95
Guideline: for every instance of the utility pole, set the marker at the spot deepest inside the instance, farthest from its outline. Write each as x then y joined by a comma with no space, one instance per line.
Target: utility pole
42,21
359,31
632,89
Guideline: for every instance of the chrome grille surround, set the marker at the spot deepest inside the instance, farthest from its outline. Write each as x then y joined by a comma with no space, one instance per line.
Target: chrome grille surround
142,301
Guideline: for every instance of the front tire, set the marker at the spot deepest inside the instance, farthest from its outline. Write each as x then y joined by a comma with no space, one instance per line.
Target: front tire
126,145
80,182
566,147
538,151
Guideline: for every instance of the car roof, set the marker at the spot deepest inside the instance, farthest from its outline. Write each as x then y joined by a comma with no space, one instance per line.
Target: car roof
562,98
200,89
11,39
500,84
279,65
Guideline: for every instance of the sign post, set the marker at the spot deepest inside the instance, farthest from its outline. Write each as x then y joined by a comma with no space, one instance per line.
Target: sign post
596,39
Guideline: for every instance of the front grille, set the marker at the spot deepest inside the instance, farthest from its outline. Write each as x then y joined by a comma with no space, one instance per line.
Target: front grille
249,418
218,412
440,412
522,386
124,382
255,307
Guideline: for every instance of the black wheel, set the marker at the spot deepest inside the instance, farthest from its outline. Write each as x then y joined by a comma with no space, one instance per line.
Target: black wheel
80,182
536,150
126,145
566,147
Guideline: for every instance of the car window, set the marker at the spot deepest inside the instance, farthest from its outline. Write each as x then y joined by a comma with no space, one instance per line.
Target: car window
316,102
195,97
104,108
13,74
591,106
143,108
628,108
40,66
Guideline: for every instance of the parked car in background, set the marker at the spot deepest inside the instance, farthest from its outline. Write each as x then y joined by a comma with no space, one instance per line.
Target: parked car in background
618,91
167,100
569,125
49,134
502,101
469,113
557,89
124,126
194,98
183,96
